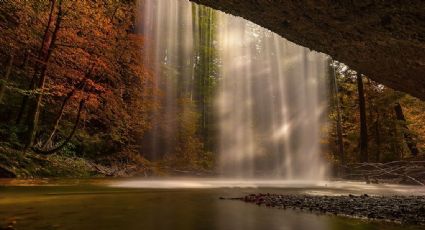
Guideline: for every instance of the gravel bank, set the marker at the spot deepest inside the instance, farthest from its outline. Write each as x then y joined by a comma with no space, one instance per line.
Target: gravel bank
400,209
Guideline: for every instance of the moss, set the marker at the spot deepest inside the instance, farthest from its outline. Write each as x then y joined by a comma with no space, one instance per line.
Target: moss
19,164
29,165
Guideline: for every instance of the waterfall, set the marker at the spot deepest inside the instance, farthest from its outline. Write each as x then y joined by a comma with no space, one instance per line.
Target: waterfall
271,104
168,52
270,99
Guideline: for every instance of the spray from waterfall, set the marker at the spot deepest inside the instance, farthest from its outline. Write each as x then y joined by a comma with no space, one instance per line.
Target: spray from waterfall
270,99
271,104
169,52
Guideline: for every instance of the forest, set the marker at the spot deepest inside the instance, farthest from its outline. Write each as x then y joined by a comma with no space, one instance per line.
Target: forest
73,82
78,99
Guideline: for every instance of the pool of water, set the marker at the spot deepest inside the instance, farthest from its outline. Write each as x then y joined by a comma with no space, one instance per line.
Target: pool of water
173,204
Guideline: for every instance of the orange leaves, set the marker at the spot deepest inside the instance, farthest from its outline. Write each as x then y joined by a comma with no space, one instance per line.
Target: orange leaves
58,90
96,57
95,87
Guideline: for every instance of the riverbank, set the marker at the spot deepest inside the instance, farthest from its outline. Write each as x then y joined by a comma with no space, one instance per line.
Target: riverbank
28,165
400,209
19,164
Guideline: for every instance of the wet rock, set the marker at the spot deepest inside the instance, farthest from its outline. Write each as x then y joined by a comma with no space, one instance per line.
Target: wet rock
400,209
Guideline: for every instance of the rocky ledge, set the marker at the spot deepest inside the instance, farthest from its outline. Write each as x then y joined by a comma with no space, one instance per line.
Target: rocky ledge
400,209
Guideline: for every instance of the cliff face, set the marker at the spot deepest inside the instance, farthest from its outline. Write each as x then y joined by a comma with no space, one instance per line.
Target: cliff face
384,40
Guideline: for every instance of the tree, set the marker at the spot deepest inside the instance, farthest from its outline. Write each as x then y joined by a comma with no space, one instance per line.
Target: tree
6,77
46,51
206,70
337,106
410,141
386,131
363,124
76,36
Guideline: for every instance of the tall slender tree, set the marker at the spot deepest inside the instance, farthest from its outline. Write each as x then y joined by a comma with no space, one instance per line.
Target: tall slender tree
6,77
45,54
410,141
205,68
336,99
363,125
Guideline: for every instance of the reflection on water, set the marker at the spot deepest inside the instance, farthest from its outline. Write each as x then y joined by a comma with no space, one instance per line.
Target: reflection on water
192,205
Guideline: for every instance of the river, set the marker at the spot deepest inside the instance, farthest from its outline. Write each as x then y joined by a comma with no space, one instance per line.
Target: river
173,204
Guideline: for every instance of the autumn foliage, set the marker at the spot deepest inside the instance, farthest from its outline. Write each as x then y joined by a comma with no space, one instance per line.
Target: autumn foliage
96,60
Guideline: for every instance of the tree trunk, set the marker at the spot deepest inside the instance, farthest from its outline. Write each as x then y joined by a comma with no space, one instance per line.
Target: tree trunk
31,86
68,139
363,126
80,86
395,145
6,77
410,141
47,143
339,119
46,37
45,43
378,138
47,50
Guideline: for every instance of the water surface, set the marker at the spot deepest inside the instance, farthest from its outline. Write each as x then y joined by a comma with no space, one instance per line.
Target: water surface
172,204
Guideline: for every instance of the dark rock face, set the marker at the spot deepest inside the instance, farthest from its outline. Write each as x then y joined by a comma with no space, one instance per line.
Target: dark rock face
385,40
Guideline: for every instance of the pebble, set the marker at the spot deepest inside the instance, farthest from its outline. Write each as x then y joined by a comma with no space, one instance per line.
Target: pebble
400,209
